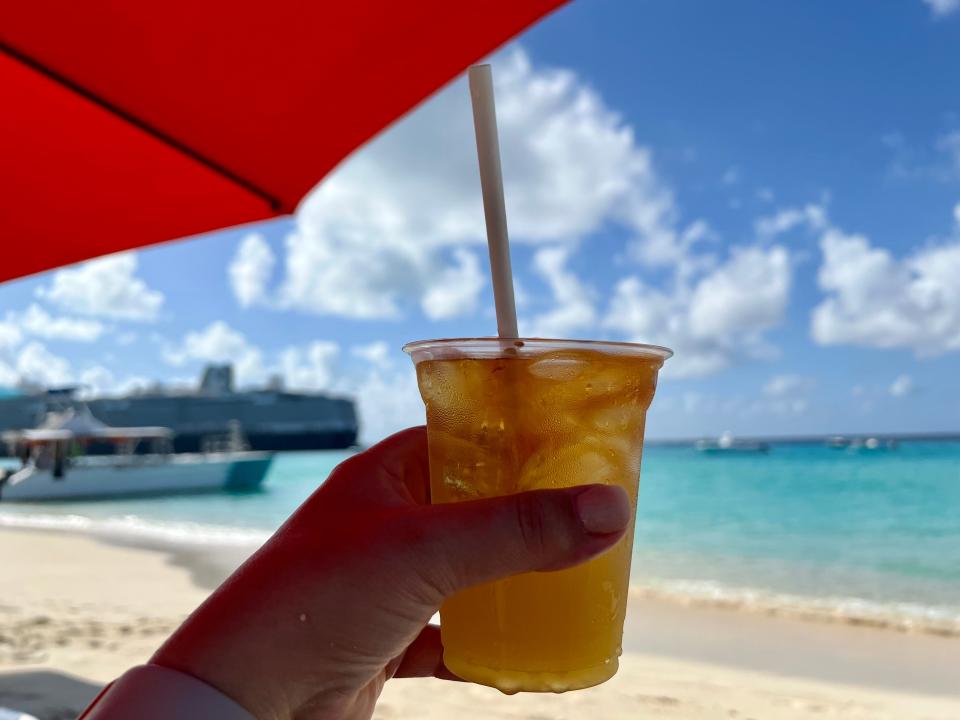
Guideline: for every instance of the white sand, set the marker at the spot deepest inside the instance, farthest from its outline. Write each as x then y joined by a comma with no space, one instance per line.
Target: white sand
75,613
653,687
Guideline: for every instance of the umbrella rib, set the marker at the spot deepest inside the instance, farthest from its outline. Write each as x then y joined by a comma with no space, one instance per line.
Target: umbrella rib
274,202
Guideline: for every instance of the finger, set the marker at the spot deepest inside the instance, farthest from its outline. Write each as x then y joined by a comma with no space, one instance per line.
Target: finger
424,657
404,460
393,472
457,545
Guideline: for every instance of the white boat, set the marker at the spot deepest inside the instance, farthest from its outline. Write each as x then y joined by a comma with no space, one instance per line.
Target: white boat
872,444
728,444
55,465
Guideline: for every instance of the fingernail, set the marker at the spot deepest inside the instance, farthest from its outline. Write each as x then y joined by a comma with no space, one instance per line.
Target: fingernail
603,509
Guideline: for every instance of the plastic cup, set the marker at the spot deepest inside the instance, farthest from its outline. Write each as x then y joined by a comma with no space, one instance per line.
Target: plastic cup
506,416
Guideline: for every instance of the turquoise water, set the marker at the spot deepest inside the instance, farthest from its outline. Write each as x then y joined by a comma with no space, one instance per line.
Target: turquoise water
875,534
806,526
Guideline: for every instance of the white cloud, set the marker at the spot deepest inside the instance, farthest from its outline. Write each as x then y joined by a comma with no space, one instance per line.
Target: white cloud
573,302
32,363
782,385
714,321
902,386
374,239
387,401
385,392
876,300
765,194
916,162
36,364
384,386
10,335
376,353
37,321
250,270
309,368
749,292
942,8
8,375
106,287
812,216
456,289
99,381
96,380
135,385
219,343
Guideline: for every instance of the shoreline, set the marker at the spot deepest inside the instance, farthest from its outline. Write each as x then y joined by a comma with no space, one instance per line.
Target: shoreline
808,609
213,552
813,633
82,610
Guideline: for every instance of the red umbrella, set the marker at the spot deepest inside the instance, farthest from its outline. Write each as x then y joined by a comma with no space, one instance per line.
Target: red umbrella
126,124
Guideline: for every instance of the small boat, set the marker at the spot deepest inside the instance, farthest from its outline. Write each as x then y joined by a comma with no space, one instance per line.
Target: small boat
869,445
838,442
728,444
55,466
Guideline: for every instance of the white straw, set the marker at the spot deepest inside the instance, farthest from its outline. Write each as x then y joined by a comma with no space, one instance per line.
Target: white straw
494,211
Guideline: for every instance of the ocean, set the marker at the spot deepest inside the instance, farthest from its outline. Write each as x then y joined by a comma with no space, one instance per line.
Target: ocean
806,530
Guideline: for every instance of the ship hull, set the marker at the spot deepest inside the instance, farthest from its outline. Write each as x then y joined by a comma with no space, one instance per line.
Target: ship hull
270,421
276,442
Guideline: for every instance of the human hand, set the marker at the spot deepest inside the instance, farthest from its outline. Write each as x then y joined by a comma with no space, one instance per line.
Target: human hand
338,601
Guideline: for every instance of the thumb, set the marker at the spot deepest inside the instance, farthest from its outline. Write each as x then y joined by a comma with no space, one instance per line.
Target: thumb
468,543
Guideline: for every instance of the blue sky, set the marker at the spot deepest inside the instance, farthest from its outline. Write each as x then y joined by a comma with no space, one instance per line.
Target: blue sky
773,189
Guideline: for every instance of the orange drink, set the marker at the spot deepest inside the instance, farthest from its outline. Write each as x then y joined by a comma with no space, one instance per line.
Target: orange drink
506,416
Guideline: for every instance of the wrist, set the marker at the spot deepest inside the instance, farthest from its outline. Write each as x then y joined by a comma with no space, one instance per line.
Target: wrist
254,697
215,646
153,692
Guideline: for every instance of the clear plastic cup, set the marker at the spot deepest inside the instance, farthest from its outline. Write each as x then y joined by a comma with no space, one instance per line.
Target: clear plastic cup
506,416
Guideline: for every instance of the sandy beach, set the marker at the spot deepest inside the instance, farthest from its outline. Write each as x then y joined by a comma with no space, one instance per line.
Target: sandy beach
75,612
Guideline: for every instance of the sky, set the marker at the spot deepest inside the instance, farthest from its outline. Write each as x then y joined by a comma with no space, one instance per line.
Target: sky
770,189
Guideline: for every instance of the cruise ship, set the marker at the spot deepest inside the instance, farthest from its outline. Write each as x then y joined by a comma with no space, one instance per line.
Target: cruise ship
270,418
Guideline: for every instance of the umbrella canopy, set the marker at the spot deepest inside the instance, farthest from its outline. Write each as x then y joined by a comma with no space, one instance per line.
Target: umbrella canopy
126,124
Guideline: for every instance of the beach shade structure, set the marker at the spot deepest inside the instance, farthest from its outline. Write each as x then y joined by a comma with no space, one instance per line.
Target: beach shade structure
127,124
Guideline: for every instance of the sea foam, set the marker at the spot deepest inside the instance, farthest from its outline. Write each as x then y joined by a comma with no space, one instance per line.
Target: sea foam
133,528
899,616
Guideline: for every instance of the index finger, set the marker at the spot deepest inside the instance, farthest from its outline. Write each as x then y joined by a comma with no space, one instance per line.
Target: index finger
394,472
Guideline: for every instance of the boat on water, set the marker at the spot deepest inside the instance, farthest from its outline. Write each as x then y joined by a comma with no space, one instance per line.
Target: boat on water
55,466
861,444
727,444
872,444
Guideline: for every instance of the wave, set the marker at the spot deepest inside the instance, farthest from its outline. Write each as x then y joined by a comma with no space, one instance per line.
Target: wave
133,528
899,616
889,615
